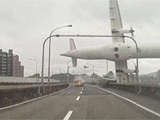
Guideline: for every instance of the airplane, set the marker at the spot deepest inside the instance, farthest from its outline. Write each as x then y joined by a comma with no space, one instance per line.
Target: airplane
118,51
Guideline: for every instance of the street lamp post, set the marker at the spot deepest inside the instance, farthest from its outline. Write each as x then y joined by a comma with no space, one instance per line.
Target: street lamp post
137,67
36,68
42,72
85,67
37,77
84,71
49,57
92,76
106,67
92,67
68,71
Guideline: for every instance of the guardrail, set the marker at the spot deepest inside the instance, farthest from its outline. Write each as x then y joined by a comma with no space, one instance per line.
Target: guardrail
20,93
145,89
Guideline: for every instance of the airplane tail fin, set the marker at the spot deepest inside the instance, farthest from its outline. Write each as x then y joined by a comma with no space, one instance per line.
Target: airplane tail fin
73,47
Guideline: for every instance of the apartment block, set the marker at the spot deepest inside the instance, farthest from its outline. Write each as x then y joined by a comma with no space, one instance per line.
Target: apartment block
10,64
18,69
6,63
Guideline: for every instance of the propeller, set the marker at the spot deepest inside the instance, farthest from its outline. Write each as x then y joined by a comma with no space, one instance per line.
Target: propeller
132,31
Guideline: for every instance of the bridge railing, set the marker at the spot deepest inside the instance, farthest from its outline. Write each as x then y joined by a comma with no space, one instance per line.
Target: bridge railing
14,95
145,89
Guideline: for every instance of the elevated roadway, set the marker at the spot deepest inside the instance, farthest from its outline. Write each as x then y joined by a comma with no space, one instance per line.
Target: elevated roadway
88,102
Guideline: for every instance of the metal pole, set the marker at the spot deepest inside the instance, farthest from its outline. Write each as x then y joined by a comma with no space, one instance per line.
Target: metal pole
85,67
92,71
137,67
92,67
36,67
42,74
49,57
68,71
106,67
67,74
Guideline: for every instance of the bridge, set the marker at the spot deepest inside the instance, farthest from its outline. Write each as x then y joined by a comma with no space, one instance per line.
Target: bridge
86,102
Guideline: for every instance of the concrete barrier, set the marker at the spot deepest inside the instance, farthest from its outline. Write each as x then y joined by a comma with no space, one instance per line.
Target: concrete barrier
23,80
145,89
17,95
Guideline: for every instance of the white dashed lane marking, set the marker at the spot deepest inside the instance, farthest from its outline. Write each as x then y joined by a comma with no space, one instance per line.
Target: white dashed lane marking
68,115
78,98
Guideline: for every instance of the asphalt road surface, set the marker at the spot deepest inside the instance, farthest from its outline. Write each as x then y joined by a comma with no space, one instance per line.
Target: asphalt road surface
79,103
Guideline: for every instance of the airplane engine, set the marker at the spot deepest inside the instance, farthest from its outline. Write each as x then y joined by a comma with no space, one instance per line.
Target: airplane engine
120,51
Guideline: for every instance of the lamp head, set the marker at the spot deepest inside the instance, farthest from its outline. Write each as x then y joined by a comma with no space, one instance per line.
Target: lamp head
69,25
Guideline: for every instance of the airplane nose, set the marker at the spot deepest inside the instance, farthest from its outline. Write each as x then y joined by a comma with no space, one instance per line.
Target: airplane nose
67,54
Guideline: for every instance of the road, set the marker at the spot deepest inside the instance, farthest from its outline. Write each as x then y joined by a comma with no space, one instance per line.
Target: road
78,103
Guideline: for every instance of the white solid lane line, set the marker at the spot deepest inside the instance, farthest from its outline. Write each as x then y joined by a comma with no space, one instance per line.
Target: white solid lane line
78,98
68,115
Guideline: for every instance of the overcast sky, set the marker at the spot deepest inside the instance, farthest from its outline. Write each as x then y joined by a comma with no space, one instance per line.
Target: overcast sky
24,25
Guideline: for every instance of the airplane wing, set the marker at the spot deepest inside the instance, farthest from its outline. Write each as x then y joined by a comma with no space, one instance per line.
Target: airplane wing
116,22
116,25
73,47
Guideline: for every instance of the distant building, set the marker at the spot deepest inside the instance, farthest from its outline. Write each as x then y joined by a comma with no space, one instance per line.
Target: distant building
18,69
10,64
6,63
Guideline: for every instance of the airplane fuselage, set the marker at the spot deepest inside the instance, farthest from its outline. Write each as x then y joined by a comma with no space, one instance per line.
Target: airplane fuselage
116,51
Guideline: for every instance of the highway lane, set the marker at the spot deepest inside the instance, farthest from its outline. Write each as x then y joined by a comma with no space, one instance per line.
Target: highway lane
151,102
78,103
